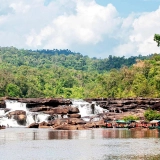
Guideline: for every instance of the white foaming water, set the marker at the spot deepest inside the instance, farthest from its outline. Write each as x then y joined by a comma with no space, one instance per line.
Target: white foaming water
9,122
14,105
84,107
88,110
42,117
2,113
31,118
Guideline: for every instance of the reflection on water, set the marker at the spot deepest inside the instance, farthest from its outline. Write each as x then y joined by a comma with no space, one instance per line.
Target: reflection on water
104,133
96,144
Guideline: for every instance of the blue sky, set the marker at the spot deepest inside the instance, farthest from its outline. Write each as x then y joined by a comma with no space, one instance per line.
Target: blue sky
97,28
125,7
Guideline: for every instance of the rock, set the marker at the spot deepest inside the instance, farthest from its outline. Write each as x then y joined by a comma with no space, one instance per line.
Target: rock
17,112
90,125
119,105
60,110
32,102
2,103
73,110
81,127
100,123
156,106
44,125
33,125
67,127
40,109
18,115
21,119
74,116
76,121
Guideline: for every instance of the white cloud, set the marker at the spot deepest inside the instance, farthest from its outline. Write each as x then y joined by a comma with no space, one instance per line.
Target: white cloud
140,31
87,26
20,7
78,25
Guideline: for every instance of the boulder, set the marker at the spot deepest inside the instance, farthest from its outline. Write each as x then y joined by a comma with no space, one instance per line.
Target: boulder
44,125
2,103
40,109
156,106
19,116
33,125
76,121
21,119
17,112
74,115
60,110
90,125
66,127
73,110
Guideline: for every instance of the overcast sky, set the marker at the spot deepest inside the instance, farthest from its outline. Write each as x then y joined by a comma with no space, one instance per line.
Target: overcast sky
96,28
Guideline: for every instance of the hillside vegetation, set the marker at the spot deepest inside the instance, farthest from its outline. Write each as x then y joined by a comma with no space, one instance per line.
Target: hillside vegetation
62,73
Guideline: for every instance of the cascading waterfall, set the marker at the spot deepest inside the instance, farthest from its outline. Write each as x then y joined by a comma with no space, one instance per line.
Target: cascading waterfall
14,105
87,110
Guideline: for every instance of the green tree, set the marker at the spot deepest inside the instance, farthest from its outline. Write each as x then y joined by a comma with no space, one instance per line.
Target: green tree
157,39
13,90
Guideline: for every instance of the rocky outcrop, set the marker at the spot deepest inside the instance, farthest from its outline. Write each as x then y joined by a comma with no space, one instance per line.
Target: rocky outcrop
74,115
126,104
156,106
33,125
63,116
68,124
2,103
18,115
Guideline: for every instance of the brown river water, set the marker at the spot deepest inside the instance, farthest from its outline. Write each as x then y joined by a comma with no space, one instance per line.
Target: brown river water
94,144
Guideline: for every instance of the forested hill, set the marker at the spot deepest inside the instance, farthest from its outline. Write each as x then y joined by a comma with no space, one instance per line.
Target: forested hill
64,58
61,73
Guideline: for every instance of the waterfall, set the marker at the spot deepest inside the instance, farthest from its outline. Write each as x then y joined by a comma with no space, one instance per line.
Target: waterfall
88,112
9,122
14,105
42,117
84,107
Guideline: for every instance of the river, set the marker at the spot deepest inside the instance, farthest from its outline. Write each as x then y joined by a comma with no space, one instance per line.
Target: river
94,144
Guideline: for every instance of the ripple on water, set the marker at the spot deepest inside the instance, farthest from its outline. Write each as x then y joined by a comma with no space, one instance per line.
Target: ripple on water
99,144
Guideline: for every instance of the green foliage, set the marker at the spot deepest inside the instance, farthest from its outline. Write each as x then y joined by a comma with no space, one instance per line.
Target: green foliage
63,58
12,90
151,115
61,73
130,118
157,39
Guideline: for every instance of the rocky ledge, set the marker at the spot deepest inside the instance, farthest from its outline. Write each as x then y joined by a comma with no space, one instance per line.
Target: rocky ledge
120,105
2,103
33,102
63,116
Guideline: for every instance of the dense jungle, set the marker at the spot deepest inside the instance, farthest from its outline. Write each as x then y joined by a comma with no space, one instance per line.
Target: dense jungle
63,73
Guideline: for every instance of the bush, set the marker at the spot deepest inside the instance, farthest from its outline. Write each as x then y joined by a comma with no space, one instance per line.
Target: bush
151,115
130,118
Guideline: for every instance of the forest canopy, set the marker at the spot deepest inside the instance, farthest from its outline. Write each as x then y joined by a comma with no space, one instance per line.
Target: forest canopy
62,73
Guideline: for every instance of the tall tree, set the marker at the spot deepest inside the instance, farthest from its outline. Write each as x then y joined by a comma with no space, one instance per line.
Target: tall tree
157,39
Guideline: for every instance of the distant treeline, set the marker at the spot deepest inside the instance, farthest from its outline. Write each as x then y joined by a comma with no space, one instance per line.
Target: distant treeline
62,73
64,58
